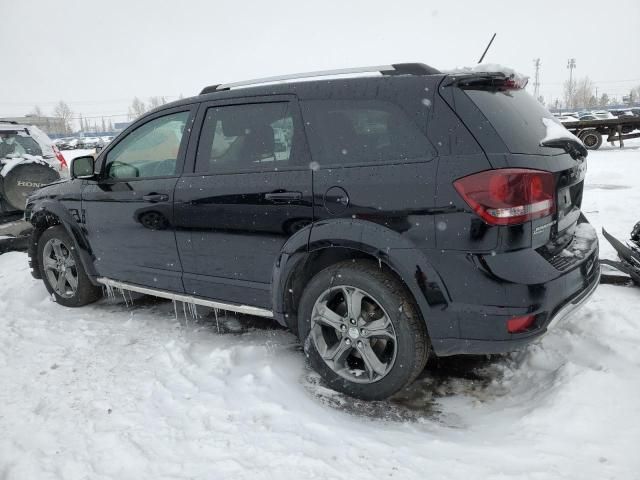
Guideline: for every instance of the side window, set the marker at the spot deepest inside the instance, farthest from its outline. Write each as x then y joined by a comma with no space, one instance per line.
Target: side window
149,151
362,131
257,136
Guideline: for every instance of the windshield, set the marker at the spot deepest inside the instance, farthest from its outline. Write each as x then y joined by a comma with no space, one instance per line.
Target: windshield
17,144
517,118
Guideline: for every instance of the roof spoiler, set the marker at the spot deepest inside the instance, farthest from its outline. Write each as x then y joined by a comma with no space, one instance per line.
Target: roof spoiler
393,69
498,80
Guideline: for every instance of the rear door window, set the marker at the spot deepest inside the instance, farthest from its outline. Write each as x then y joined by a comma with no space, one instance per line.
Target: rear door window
364,131
246,137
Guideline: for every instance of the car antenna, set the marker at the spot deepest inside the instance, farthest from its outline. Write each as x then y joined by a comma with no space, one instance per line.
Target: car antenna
486,49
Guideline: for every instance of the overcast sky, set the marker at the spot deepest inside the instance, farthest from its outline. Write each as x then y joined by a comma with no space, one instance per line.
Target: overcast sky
98,55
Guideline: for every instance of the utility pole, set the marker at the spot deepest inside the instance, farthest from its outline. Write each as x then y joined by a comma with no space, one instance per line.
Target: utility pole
536,83
571,64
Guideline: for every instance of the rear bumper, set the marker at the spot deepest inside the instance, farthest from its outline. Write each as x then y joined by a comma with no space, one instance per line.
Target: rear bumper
458,346
481,326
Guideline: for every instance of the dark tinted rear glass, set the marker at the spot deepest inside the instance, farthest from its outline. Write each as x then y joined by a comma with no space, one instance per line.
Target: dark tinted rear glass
516,117
362,131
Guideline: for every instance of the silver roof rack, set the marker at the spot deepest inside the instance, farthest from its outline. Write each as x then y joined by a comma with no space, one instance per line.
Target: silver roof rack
394,69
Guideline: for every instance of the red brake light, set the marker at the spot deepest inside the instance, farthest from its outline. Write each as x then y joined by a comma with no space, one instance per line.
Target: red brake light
509,196
60,157
520,324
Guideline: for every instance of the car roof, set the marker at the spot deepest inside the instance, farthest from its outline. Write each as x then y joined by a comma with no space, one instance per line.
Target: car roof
11,126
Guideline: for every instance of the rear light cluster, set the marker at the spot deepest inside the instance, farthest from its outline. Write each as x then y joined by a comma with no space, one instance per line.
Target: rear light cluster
60,157
509,196
520,324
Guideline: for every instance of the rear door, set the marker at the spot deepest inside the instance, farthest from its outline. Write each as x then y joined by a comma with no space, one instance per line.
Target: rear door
372,158
249,193
128,212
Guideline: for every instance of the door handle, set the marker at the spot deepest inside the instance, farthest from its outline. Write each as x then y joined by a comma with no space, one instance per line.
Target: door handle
155,197
283,196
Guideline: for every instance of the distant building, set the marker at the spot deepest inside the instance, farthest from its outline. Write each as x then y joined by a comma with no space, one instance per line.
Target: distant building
119,126
47,124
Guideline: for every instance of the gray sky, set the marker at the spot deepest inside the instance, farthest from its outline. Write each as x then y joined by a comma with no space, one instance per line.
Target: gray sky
98,55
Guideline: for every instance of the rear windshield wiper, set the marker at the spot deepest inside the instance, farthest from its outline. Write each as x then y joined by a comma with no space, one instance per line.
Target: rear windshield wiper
573,147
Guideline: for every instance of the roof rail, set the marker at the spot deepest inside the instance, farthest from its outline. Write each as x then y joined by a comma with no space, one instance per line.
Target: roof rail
394,69
12,122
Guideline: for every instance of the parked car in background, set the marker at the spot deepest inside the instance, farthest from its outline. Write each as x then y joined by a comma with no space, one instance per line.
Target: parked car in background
603,114
28,160
622,113
567,118
90,142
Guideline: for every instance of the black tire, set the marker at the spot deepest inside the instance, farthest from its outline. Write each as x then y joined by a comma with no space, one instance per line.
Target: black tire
23,179
591,138
84,292
410,344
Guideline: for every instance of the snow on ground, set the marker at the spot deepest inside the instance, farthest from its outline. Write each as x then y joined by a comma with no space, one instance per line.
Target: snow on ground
114,391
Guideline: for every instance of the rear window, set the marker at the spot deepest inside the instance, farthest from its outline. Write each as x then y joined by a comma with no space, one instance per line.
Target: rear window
516,116
17,144
362,131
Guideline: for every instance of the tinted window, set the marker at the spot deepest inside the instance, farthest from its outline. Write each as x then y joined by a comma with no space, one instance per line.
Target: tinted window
17,144
150,150
256,136
516,116
362,131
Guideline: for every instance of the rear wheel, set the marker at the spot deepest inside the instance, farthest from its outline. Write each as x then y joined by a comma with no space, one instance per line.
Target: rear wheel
361,331
592,139
62,271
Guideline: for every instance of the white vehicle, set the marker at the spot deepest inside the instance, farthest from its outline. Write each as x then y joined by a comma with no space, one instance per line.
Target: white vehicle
90,142
603,115
28,160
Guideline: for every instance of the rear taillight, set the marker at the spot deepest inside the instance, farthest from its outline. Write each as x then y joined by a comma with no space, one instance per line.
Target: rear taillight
60,157
509,196
520,324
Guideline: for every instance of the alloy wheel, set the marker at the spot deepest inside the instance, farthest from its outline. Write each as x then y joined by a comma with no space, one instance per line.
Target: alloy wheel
60,268
353,334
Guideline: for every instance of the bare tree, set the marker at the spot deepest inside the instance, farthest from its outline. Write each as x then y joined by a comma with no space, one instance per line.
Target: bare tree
603,101
137,108
635,95
580,94
64,113
584,93
37,112
155,102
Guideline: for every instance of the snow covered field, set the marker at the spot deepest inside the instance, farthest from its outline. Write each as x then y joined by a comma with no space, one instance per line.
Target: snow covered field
130,392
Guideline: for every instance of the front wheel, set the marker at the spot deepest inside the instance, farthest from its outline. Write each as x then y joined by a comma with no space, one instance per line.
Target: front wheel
62,271
361,330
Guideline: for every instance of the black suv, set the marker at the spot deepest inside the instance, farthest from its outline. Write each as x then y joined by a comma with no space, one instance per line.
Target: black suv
381,217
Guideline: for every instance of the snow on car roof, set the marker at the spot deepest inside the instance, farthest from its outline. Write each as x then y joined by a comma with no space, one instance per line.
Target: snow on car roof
491,68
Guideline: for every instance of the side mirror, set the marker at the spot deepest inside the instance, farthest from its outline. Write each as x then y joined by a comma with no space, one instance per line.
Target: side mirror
82,167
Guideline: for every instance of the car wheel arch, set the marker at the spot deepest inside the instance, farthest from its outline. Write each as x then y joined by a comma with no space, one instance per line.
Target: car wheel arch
45,218
296,270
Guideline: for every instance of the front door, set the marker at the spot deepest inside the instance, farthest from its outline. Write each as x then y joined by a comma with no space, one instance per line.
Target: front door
250,192
129,211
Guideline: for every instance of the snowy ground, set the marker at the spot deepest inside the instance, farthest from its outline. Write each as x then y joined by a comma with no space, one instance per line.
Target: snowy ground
131,392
